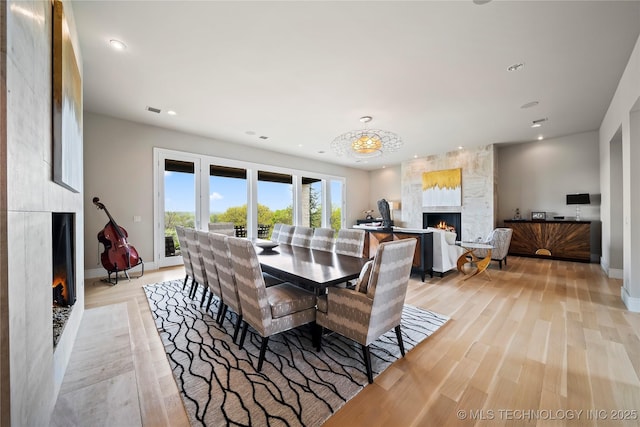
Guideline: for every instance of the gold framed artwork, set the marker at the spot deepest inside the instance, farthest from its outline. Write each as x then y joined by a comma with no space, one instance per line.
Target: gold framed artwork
442,188
67,106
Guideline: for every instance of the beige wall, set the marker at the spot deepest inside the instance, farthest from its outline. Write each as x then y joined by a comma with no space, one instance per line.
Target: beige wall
119,156
386,184
35,371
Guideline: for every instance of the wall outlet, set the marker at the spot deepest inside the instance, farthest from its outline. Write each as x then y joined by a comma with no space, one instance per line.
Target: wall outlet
137,218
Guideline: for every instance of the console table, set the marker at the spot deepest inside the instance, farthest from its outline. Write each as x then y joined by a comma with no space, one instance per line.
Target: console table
564,240
423,255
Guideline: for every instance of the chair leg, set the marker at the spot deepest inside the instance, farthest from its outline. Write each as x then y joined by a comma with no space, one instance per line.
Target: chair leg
243,335
367,362
204,295
316,335
500,263
237,328
505,260
194,289
184,285
209,300
222,312
263,349
400,342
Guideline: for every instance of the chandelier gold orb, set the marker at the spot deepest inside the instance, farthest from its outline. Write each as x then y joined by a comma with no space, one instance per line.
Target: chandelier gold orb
366,143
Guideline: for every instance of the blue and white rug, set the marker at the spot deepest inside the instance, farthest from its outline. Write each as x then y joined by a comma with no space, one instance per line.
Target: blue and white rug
297,386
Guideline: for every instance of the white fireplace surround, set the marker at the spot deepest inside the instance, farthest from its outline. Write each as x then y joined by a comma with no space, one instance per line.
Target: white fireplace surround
479,204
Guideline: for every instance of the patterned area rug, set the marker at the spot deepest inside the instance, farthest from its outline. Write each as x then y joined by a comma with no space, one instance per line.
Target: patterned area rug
297,385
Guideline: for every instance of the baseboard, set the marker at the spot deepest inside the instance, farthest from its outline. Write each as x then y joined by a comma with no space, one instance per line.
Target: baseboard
611,273
616,273
95,273
632,303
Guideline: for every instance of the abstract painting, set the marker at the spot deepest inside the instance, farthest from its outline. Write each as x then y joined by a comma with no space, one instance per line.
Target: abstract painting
67,106
442,188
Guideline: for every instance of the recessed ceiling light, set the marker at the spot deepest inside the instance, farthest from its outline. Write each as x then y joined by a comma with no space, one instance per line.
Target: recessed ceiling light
540,138
530,104
516,67
415,156
172,113
117,44
536,125
481,2
460,147
321,152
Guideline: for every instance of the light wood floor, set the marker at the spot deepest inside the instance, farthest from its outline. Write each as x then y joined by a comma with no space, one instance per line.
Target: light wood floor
535,345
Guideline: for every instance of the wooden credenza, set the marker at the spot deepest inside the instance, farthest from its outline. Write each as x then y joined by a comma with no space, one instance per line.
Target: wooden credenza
565,240
423,255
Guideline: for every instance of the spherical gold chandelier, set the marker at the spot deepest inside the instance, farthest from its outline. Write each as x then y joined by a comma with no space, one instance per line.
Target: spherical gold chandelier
365,143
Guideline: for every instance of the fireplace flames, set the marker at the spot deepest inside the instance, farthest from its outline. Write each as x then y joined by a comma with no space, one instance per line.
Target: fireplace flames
444,226
60,292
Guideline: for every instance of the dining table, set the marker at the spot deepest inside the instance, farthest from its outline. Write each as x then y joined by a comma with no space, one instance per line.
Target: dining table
313,269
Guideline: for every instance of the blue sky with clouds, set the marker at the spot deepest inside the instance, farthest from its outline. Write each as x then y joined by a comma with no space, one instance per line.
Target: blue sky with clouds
228,192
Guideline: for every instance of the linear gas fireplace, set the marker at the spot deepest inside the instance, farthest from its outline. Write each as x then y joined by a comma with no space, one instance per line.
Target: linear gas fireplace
447,220
63,262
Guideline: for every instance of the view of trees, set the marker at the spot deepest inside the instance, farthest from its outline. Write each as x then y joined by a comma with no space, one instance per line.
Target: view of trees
238,216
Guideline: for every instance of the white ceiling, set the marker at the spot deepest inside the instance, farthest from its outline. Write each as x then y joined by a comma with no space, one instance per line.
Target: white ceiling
301,73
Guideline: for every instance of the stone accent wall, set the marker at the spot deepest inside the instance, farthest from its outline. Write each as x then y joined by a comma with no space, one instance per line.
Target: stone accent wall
479,202
35,371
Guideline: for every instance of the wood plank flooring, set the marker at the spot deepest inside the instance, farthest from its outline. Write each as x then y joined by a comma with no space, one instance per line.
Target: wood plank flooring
541,342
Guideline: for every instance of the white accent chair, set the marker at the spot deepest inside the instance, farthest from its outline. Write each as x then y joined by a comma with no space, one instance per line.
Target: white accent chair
445,250
500,239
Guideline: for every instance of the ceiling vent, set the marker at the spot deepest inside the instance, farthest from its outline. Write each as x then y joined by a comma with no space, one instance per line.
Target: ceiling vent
263,137
153,109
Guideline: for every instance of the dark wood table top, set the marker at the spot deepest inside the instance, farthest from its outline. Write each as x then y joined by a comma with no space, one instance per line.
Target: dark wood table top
312,268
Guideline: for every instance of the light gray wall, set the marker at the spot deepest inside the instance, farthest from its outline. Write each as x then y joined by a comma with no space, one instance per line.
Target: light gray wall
616,250
622,116
387,186
119,155
35,371
537,176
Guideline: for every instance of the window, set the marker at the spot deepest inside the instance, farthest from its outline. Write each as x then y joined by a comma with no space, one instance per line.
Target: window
275,201
228,196
193,189
179,201
311,200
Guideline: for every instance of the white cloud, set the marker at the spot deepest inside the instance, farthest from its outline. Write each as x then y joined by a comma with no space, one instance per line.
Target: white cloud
215,196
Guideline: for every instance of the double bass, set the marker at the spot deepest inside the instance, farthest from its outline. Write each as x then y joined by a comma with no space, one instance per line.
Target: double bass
118,254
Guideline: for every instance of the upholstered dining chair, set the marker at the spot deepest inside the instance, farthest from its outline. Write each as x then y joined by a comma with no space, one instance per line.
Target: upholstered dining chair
500,239
271,310
199,275
322,239
286,234
225,228
227,280
375,305
211,272
276,231
350,242
182,239
302,236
